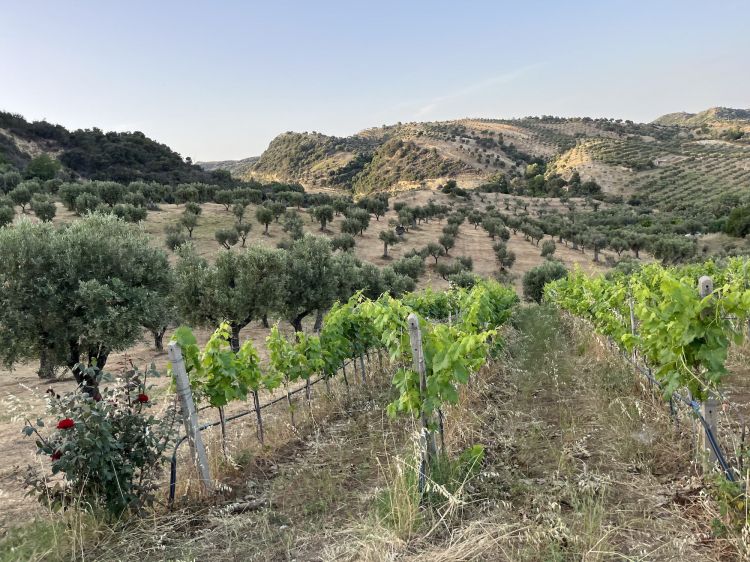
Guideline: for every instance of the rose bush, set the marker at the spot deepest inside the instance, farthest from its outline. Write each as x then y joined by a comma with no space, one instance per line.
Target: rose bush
106,453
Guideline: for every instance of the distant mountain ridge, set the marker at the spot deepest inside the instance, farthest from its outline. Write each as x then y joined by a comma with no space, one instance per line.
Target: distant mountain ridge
620,154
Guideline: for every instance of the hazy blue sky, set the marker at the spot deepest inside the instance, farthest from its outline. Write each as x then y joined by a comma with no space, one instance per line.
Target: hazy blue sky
218,80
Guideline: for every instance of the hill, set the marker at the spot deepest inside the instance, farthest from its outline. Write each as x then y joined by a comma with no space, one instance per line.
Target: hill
94,154
709,116
234,167
671,160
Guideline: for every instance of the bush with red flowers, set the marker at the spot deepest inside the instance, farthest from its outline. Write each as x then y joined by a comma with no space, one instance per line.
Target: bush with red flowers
108,452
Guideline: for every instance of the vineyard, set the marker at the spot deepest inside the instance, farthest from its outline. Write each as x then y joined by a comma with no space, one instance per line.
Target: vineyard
677,325
457,330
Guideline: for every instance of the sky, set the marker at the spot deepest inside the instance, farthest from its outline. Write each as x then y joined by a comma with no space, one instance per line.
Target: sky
218,80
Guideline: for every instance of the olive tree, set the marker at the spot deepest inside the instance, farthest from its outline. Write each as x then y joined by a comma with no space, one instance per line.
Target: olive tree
243,231
388,238
323,215
21,196
435,250
536,278
309,279
264,216
447,241
227,237
506,258
343,242
239,287
548,249
43,208
73,295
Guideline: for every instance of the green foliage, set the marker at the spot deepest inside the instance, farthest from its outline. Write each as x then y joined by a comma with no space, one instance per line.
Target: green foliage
343,242
94,154
264,216
43,167
293,225
435,250
7,214
86,203
447,241
174,236
683,336
129,213
227,237
388,238
44,208
80,291
109,451
189,221
308,279
322,214
239,287
412,266
738,223
218,374
536,278
21,196
548,249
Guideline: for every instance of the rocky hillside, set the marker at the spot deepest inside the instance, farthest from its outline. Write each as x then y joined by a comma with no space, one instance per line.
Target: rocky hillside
235,167
699,153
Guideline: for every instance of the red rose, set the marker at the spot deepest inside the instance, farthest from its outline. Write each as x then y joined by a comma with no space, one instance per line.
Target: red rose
56,455
143,398
66,423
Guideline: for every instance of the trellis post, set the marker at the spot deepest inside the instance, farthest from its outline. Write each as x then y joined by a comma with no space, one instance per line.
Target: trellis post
428,439
189,415
709,408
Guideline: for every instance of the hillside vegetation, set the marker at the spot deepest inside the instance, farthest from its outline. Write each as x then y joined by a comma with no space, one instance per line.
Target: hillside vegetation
94,154
672,160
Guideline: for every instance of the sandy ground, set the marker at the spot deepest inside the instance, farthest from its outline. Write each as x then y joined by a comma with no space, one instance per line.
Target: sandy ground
22,393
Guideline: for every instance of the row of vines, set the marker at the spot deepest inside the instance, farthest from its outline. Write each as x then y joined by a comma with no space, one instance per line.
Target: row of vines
660,313
458,329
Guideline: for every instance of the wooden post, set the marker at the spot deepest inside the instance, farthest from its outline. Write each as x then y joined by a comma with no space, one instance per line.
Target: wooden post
258,417
415,338
709,408
189,415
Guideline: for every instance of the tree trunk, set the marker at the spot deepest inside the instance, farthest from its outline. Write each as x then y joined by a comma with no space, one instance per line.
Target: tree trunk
296,323
385,250
264,320
318,321
46,364
234,340
159,338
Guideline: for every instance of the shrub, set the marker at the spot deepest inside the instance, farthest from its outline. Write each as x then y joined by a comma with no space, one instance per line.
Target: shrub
548,249
412,266
535,279
343,242
109,451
